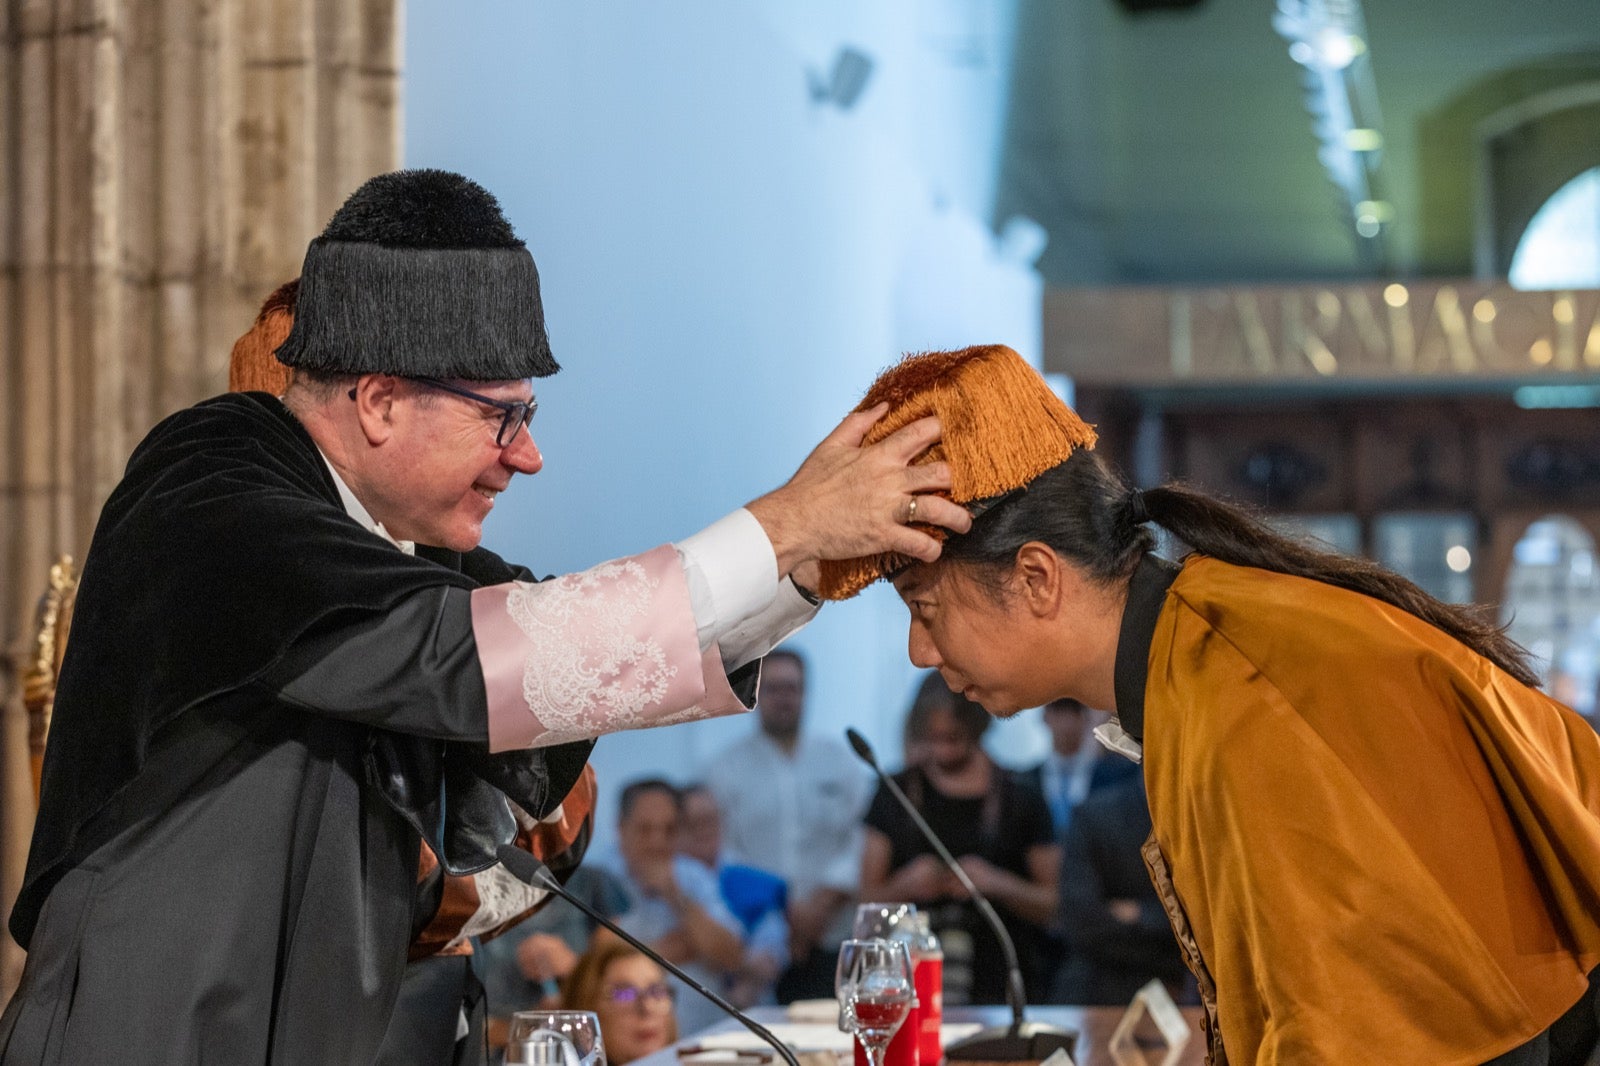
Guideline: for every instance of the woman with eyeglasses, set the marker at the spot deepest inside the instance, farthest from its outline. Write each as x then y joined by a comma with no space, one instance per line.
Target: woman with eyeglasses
629,994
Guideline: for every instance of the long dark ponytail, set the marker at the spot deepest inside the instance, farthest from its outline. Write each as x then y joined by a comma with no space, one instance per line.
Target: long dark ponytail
1088,515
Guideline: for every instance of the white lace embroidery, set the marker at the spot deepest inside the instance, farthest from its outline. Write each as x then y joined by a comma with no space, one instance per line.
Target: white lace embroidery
688,714
586,673
501,897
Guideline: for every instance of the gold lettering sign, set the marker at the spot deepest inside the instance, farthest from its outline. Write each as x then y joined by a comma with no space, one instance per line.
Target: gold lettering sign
1432,329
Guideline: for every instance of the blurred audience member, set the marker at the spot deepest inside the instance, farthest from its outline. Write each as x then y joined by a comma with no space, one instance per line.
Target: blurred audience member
914,736
1117,933
522,969
756,897
631,997
676,906
997,827
791,804
1078,764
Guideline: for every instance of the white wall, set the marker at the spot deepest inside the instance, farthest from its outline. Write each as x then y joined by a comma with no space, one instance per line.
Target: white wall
726,264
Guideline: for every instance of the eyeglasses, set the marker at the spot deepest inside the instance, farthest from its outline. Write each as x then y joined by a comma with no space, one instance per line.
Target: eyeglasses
650,995
518,413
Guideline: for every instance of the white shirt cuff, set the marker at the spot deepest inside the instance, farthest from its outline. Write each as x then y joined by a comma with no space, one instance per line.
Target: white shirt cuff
752,638
732,574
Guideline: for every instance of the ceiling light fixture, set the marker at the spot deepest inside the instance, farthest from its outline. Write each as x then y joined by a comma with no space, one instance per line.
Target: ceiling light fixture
1328,38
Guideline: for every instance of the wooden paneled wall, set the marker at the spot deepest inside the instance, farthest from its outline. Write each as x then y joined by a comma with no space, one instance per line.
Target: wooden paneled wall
1370,455
162,165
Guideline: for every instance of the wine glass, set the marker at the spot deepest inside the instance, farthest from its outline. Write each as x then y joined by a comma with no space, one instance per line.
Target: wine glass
874,984
882,920
530,1040
887,921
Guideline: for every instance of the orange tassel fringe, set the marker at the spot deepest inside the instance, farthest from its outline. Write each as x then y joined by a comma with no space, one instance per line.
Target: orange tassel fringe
1002,427
253,367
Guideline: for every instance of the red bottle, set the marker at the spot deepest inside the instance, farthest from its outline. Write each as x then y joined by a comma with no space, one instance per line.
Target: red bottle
892,921
927,957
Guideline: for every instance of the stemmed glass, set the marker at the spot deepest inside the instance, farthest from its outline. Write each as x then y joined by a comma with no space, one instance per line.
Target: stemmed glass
537,1037
882,920
875,988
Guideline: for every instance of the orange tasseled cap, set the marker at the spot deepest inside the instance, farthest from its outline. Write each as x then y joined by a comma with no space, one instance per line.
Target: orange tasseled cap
253,367
1002,427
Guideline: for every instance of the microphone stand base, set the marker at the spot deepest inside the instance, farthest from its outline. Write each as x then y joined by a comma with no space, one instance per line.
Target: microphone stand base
1031,1042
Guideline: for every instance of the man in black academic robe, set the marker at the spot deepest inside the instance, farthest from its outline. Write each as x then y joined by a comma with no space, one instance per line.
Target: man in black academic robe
268,700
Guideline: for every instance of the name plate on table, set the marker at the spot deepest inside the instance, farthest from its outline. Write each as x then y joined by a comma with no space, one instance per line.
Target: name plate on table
815,1044
1152,1000
1059,1057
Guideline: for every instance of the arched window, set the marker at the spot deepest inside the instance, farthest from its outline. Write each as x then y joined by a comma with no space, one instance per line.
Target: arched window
1432,548
1560,249
1552,601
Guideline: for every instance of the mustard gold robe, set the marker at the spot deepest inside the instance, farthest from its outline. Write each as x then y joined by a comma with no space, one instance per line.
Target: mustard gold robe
1385,848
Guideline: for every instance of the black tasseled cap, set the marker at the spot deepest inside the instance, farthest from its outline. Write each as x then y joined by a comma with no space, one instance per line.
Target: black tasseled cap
420,274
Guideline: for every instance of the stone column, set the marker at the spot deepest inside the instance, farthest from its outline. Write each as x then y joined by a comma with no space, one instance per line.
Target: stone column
162,165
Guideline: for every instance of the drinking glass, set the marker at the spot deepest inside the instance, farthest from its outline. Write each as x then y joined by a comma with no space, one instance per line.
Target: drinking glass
532,1031
874,984
882,920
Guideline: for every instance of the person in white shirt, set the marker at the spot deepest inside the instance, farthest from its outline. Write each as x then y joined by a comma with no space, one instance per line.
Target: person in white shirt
791,804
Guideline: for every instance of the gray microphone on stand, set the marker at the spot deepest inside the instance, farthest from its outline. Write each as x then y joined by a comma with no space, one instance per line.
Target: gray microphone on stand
526,868
1022,1040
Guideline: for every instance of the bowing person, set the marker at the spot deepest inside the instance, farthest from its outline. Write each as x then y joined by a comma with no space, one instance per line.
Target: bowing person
1373,834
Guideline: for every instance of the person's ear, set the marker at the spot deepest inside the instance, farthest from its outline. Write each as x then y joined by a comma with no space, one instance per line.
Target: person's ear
1039,578
375,396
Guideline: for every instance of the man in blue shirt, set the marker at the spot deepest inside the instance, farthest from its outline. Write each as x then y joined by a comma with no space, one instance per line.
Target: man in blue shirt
757,898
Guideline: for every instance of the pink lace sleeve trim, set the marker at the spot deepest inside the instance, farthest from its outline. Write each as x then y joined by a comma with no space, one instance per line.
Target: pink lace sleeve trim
596,652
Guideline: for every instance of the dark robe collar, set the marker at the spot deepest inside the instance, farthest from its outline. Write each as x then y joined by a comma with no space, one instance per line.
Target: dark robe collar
1147,593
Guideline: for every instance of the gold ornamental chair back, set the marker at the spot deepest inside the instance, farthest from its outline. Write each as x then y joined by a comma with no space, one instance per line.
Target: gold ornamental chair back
52,620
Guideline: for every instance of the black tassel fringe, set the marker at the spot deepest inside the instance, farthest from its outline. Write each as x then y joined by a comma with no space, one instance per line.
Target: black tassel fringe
471,313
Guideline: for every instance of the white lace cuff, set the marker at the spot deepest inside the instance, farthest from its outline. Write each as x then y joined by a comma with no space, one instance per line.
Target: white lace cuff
610,648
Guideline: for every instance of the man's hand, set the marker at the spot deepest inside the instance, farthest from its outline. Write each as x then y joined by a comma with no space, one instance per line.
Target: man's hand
848,501
1125,911
543,957
923,878
985,875
808,920
676,946
752,980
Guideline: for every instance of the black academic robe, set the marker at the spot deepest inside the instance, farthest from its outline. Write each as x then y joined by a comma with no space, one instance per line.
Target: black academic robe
262,709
